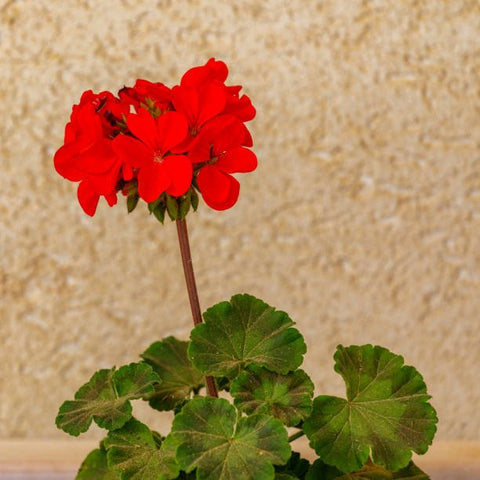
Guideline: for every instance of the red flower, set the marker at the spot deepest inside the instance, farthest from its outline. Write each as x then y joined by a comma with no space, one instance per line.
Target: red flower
218,152
87,154
217,71
213,70
199,105
196,128
143,91
148,154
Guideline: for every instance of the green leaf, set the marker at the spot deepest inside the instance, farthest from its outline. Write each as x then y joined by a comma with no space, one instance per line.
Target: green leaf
170,362
132,201
285,476
410,472
95,467
245,331
368,472
386,412
286,397
106,398
134,453
296,467
223,446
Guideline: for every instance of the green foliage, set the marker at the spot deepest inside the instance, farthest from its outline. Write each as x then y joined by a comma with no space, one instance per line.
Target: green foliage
244,331
95,467
254,352
296,467
386,412
134,453
320,470
286,397
179,378
224,446
106,398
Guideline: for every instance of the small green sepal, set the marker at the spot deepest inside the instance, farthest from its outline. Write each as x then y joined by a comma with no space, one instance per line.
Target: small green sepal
173,209
132,201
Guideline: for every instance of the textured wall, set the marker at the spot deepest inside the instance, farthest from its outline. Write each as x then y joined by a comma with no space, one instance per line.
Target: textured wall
362,220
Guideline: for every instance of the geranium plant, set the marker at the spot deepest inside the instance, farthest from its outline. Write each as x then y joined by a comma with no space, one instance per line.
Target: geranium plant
163,146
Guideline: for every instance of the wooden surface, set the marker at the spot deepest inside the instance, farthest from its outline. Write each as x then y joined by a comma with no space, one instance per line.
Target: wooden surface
59,460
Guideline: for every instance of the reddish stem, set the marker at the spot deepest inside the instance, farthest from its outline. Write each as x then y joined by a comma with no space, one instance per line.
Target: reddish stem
192,288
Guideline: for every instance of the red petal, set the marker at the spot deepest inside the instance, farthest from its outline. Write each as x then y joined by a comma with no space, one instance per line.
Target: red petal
172,129
199,150
186,100
131,151
219,190
105,183
153,180
180,171
111,199
98,159
87,198
241,107
212,100
237,160
65,165
248,141
213,69
225,132
143,126
231,199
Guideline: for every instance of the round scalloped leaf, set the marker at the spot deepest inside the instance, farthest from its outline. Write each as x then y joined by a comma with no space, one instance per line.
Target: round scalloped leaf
95,467
106,398
286,397
386,413
244,331
221,445
368,472
170,362
296,467
135,455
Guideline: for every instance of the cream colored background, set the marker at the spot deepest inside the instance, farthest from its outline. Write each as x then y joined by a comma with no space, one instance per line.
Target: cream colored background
362,220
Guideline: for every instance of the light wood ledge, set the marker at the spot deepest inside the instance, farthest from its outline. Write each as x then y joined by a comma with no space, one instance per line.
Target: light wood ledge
59,460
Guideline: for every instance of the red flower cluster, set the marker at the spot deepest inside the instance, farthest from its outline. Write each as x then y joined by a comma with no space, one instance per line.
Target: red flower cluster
155,140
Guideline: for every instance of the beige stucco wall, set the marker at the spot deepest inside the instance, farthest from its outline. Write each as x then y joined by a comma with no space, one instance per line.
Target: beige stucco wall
362,220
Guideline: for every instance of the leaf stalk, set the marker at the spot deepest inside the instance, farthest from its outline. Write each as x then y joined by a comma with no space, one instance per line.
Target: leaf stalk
296,435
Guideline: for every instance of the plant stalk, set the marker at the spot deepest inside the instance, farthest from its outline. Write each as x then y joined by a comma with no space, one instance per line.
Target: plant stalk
296,435
192,288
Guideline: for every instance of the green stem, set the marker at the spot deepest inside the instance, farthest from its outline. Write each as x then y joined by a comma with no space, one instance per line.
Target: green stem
296,435
192,288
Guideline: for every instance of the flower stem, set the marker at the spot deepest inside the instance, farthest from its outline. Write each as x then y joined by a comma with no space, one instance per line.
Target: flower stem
192,288
296,435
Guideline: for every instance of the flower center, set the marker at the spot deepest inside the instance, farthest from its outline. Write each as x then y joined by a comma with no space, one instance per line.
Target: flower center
158,157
